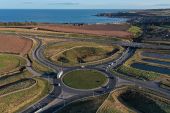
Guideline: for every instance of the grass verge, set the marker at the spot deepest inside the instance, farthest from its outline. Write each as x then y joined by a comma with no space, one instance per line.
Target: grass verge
89,105
36,65
81,53
165,84
10,62
20,100
14,77
137,73
16,86
130,99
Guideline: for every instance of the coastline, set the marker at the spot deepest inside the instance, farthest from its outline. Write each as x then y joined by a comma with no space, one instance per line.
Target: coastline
58,16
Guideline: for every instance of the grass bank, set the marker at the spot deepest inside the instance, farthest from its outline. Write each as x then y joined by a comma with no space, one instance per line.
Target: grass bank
131,67
16,86
81,53
88,105
130,99
10,63
17,101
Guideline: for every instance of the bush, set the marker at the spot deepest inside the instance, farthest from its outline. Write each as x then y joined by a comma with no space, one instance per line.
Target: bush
141,74
136,31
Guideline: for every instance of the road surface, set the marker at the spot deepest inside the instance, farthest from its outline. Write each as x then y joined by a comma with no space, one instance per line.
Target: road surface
62,95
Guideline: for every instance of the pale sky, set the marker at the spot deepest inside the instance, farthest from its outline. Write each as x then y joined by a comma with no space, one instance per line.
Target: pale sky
83,4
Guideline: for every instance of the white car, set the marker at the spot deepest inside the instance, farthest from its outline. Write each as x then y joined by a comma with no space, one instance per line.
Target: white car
82,66
113,63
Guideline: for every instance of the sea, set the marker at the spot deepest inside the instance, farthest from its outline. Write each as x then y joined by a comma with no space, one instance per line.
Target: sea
86,16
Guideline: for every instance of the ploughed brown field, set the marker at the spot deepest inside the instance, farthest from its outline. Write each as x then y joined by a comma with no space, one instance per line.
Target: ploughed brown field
115,30
14,44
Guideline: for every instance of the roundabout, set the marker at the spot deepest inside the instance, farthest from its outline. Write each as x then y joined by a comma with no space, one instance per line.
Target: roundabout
85,79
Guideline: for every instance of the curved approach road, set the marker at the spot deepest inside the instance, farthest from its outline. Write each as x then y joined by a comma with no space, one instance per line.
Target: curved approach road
62,95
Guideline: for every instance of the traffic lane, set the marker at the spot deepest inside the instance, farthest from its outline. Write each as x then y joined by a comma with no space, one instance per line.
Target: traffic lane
82,94
111,81
45,101
39,55
65,102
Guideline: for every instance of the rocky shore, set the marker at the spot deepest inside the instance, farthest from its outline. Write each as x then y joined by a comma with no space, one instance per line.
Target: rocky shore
142,16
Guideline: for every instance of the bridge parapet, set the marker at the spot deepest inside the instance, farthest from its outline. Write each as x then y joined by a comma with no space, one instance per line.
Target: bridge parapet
142,45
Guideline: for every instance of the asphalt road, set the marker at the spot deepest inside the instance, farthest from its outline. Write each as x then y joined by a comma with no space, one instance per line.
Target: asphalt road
45,106
57,90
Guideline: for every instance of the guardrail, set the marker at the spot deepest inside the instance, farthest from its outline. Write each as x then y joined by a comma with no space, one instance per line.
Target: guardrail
142,45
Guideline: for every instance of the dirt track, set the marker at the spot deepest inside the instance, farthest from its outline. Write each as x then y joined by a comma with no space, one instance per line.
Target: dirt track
14,44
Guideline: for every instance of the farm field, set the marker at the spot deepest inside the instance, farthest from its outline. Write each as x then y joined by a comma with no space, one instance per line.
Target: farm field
14,44
20,89
113,30
53,34
106,30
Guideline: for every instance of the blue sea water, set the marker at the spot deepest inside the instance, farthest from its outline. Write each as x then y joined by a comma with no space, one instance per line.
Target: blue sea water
57,16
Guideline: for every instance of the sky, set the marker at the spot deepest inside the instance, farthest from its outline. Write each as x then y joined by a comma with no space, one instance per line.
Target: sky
84,4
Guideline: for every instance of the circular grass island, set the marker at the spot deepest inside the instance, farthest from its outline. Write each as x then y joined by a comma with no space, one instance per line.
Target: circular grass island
84,79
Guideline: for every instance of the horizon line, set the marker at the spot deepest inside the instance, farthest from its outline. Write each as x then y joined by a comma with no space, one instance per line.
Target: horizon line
78,8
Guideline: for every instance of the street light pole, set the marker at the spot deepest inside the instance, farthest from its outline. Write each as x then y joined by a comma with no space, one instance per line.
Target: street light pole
93,93
64,102
49,82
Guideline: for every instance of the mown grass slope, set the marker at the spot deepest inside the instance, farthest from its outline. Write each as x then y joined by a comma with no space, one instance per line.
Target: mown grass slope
130,99
10,62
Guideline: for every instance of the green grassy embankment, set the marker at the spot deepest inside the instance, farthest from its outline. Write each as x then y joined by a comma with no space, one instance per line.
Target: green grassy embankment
130,99
81,53
10,63
134,72
16,86
88,105
22,99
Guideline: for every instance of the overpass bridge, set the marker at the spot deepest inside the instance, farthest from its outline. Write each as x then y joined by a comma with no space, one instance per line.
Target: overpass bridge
142,45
